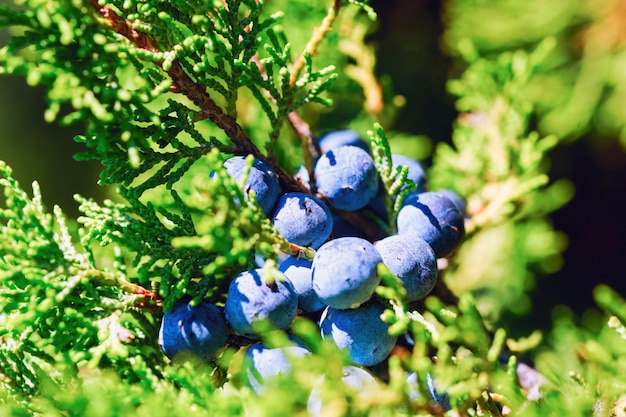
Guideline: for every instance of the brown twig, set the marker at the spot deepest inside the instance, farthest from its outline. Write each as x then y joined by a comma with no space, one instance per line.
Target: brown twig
197,93
125,28
310,151
182,82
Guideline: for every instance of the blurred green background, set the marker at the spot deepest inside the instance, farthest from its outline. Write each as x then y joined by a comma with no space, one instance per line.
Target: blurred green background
42,151
581,98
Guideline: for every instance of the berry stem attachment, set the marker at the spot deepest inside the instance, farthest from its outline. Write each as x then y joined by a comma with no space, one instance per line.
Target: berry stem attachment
296,250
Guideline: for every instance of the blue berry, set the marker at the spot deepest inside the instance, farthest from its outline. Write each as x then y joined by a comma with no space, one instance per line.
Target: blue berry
433,217
303,219
413,386
416,172
357,378
339,138
298,271
199,330
457,200
262,179
354,378
262,364
347,177
412,260
345,272
360,331
441,399
251,299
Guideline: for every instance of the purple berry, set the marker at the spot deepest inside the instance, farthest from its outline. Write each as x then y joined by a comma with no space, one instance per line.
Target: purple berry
414,392
360,331
412,260
347,177
298,271
457,200
303,219
262,179
251,299
433,217
199,330
262,364
303,177
339,138
345,272
354,378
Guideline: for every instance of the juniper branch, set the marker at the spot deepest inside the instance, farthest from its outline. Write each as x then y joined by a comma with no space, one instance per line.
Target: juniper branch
299,126
182,82
197,93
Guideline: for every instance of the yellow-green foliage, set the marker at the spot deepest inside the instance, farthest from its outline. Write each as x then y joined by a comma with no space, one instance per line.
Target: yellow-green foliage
580,86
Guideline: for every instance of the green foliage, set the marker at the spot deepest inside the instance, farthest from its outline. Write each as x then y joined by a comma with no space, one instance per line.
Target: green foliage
395,181
497,162
59,312
582,72
166,92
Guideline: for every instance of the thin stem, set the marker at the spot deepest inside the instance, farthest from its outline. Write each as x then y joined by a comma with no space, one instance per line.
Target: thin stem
110,280
310,151
296,250
487,405
318,36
